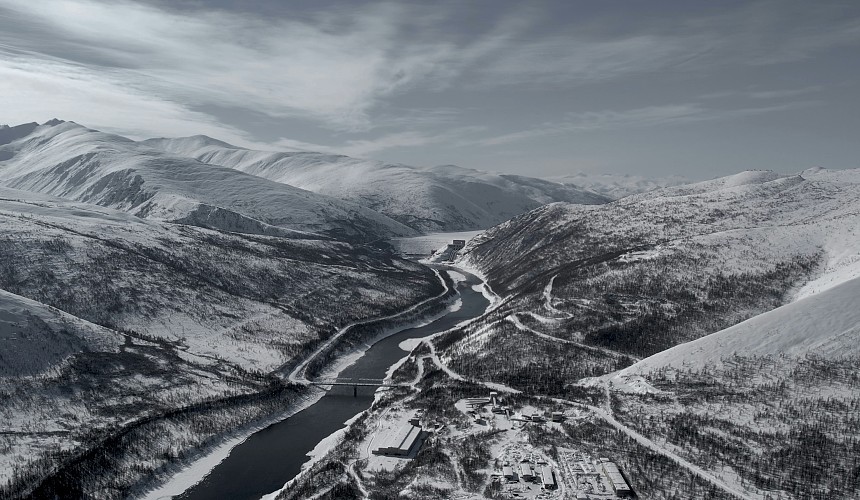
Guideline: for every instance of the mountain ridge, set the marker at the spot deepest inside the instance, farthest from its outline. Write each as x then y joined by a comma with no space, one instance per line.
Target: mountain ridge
72,161
428,199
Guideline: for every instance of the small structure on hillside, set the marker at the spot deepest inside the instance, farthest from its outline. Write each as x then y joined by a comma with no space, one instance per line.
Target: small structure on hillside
619,484
557,416
399,443
458,244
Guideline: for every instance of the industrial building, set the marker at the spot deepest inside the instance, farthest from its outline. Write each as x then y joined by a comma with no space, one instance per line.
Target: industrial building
547,478
399,443
526,472
508,472
619,484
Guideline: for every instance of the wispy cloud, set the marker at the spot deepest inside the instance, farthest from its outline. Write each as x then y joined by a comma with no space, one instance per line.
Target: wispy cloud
365,147
146,69
672,114
280,67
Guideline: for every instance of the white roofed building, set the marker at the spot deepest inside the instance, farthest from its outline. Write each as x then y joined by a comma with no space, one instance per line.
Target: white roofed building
400,442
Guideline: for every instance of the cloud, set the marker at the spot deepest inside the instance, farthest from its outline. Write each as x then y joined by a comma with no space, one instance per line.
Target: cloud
46,89
279,67
672,114
149,70
365,147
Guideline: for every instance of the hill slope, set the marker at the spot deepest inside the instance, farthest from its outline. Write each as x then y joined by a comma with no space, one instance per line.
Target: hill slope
591,289
826,324
428,199
162,333
770,262
67,160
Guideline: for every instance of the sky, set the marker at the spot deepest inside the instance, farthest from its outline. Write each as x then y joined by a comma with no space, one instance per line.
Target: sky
542,88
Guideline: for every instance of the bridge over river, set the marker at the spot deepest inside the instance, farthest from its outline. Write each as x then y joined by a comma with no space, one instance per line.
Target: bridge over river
357,382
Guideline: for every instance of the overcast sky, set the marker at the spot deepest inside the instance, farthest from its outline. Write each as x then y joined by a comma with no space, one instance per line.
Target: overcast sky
697,88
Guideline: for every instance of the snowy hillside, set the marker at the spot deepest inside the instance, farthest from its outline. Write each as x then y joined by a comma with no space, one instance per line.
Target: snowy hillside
617,186
428,199
602,286
35,337
617,305
167,334
67,160
826,324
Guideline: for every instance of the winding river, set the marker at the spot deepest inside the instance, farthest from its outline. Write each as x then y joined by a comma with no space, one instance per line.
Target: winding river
265,461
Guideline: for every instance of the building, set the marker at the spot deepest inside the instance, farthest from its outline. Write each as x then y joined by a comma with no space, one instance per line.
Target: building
458,244
619,484
399,443
547,478
557,416
508,472
526,472
477,402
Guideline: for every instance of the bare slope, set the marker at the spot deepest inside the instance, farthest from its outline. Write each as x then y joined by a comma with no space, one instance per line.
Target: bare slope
429,199
67,160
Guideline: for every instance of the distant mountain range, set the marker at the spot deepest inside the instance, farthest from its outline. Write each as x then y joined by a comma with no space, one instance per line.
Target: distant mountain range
617,186
67,160
427,199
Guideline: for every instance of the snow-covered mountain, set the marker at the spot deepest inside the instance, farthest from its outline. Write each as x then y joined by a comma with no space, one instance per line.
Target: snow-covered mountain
70,161
629,279
428,199
617,186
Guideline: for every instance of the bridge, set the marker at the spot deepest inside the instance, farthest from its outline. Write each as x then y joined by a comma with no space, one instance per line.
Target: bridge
356,382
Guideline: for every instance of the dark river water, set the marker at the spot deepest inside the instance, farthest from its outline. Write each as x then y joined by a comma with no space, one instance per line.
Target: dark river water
269,458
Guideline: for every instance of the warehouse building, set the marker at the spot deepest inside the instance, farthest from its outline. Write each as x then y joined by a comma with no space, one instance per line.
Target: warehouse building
526,472
547,478
619,484
399,443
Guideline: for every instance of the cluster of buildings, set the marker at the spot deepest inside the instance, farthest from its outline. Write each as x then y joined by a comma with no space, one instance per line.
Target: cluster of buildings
526,473
588,476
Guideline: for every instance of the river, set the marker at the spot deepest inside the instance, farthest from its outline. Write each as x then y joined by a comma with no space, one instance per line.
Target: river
265,461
